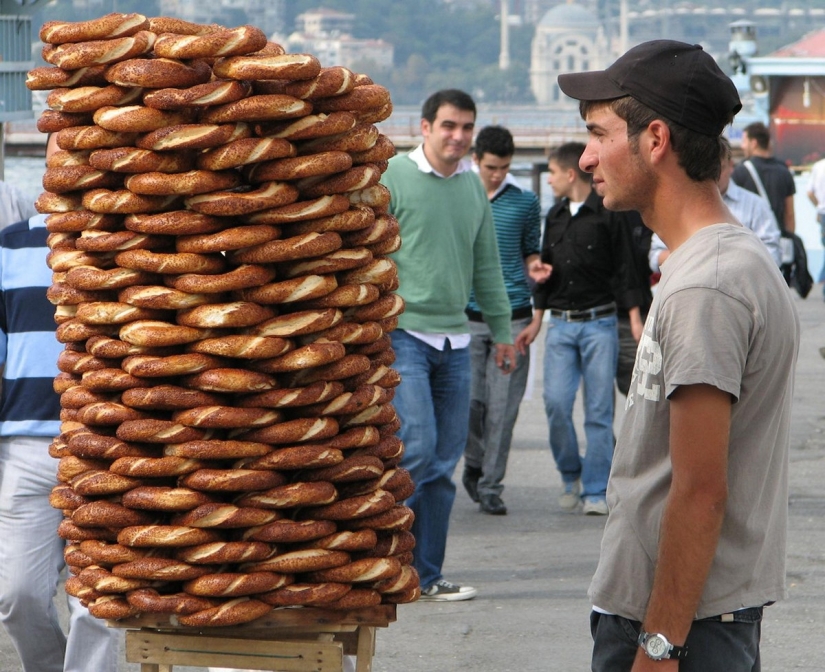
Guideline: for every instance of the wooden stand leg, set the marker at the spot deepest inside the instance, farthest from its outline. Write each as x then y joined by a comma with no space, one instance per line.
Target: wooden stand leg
366,648
151,667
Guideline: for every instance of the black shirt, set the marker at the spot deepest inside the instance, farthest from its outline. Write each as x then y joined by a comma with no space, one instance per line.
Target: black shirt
640,237
591,257
776,178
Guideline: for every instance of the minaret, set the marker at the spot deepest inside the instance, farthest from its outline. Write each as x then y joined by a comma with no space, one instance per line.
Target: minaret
504,55
623,27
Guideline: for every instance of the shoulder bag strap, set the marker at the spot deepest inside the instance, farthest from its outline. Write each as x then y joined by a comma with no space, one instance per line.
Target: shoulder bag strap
756,179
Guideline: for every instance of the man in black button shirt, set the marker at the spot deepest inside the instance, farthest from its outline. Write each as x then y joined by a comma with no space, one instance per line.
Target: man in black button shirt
585,267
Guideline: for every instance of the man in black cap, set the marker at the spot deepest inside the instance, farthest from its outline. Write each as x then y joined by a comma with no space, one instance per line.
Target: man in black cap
694,545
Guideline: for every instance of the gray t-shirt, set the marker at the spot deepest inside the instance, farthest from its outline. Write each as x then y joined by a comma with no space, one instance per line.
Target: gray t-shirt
722,316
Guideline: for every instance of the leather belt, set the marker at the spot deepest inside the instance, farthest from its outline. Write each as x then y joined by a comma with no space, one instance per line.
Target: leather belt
518,314
584,315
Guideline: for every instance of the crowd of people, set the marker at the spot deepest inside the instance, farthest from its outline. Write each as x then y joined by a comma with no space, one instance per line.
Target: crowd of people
693,550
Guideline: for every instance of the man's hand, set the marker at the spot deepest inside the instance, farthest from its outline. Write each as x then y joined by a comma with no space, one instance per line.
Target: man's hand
505,357
637,327
539,271
529,333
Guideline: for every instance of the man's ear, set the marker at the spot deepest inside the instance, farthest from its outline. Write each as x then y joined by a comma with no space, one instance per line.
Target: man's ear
655,140
426,127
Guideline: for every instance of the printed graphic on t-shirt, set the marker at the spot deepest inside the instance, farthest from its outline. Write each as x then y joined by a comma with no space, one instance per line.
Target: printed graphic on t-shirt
646,370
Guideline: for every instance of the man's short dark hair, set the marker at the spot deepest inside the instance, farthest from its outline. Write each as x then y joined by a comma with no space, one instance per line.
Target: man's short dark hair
726,152
495,140
698,153
759,132
454,97
567,156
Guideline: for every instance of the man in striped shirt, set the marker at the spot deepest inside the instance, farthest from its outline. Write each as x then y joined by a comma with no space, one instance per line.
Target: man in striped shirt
31,555
495,396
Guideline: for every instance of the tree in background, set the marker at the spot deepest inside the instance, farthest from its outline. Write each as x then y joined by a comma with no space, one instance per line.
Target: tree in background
437,45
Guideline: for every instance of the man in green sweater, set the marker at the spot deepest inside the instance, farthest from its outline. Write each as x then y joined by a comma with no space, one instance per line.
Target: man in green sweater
449,248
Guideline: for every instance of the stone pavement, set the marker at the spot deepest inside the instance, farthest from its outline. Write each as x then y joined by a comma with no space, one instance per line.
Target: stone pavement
532,567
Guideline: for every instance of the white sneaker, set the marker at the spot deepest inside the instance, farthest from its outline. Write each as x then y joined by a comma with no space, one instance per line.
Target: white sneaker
444,591
595,507
570,499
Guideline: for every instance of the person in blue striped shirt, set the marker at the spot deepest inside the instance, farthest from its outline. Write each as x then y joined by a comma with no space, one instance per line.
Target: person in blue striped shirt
31,554
496,396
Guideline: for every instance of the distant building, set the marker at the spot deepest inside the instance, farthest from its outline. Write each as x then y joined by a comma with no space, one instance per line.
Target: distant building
323,20
706,23
793,79
325,34
568,38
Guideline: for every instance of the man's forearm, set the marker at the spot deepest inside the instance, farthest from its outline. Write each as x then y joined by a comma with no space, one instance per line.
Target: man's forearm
790,215
687,545
694,511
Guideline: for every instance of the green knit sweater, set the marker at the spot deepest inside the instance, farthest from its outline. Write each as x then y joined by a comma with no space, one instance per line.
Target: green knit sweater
448,247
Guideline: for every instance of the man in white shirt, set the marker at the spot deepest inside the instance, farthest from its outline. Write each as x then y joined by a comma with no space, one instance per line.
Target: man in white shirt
750,209
816,192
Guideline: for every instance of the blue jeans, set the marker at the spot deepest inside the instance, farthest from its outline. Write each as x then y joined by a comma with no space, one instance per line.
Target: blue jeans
713,645
433,403
31,557
575,351
821,220
494,406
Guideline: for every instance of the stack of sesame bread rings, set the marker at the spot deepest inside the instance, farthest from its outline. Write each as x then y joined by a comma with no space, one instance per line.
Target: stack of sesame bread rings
218,242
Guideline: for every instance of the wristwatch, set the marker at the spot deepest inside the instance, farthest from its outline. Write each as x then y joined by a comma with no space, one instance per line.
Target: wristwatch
656,646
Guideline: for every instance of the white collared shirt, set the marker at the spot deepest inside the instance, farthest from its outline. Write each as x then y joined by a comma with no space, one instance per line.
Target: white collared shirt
751,210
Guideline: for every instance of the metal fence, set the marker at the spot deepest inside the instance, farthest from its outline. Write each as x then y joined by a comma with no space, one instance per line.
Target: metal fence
15,61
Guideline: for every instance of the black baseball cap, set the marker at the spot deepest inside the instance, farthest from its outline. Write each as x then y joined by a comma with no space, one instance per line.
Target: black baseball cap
680,81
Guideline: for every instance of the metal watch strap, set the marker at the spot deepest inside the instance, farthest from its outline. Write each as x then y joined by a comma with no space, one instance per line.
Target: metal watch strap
673,653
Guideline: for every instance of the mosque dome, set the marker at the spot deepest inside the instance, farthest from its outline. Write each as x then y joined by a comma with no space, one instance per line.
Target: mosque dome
567,39
569,16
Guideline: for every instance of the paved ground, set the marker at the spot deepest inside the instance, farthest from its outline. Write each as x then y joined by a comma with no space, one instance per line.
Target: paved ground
533,566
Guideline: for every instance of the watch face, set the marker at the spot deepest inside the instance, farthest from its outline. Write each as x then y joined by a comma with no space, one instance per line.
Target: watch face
656,646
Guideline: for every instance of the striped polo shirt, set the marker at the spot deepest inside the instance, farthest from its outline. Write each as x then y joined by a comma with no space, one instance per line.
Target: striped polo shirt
517,220
28,347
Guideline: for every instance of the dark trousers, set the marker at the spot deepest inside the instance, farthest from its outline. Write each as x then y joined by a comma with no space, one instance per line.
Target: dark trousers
713,645
627,352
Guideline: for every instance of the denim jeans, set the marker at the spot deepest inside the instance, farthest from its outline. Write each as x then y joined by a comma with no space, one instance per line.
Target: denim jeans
433,403
820,218
494,402
31,557
713,645
576,351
